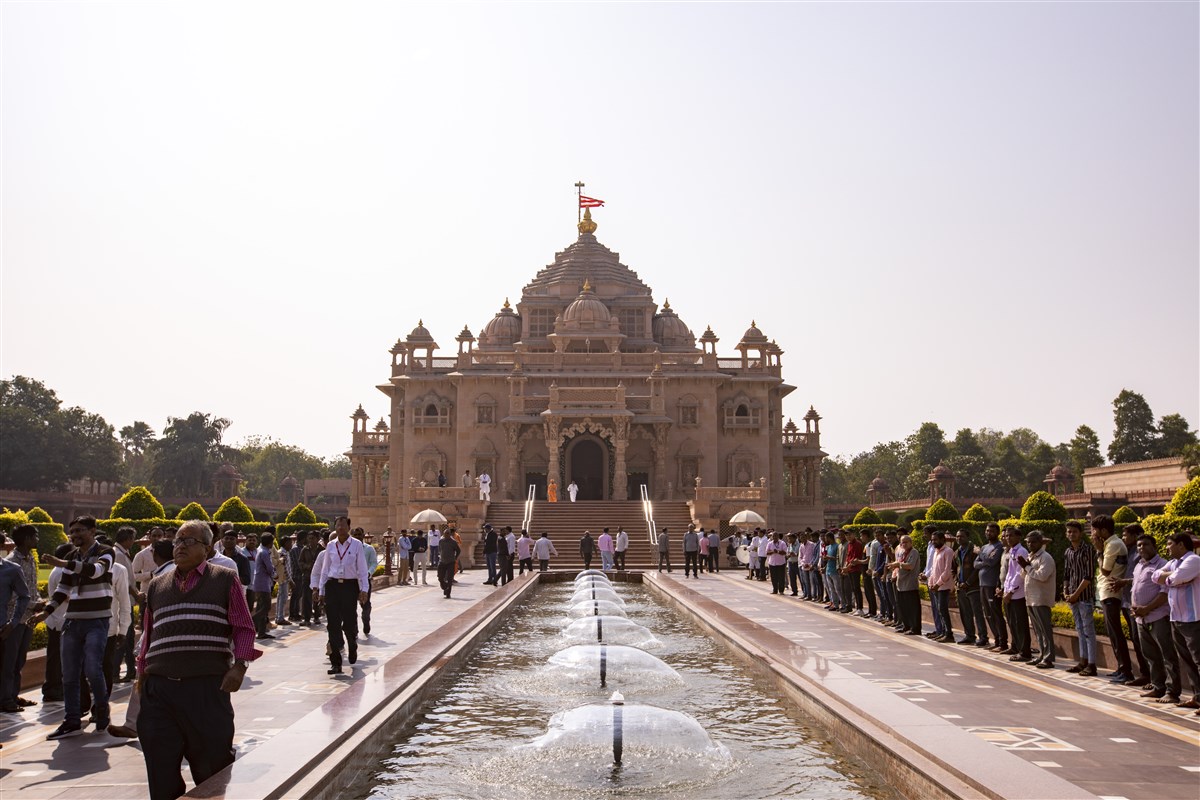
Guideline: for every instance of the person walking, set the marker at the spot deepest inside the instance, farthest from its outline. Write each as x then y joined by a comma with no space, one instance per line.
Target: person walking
573,490
664,550
342,585
197,643
262,583
446,563
525,552
543,549
604,543
587,546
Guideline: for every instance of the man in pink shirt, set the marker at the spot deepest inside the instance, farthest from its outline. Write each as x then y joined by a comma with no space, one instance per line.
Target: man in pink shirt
607,547
941,578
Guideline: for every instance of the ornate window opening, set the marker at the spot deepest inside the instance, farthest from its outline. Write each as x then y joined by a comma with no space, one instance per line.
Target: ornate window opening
485,410
633,322
541,322
431,411
742,413
689,411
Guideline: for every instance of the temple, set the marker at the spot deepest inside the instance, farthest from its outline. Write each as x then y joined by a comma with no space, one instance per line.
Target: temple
587,380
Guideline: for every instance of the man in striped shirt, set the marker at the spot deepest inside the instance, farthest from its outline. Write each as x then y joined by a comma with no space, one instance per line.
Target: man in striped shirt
1181,576
1079,563
87,585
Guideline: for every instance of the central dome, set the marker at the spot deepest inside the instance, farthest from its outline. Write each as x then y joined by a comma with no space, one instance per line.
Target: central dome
587,310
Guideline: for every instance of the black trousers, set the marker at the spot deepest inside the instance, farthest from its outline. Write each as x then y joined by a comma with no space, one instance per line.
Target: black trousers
52,686
909,603
1135,639
526,564
664,558
445,573
620,559
1018,627
341,601
691,560
262,610
970,612
868,584
993,612
778,577
1116,635
306,599
714,559
366,610
189,718
587,560
294,601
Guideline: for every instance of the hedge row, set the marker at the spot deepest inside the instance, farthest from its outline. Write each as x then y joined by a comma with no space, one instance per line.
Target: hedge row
1161,526
293,528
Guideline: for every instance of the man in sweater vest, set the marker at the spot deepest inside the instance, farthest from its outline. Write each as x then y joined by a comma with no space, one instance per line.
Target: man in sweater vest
197,641
87,584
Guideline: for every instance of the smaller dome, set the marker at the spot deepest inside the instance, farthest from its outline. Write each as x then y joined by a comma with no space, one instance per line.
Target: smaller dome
709,336
359,413
501,330
941,473
1061,473
670,331
879,485
399,347
228,470
587,310
753,334
812,414
790,427
289,483
465,335
381,426
419,334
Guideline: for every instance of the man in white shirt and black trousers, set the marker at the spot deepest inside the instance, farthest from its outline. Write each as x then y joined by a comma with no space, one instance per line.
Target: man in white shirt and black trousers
342,585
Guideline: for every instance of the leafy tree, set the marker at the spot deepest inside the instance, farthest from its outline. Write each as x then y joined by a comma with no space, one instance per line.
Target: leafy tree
1174,435
1134,434
1025,440
1191,460
1084,448
966,444
137,503
928,444
188,453
1011,461
37,514
267,462
833,481
137,438
234,510
338,467
1041,461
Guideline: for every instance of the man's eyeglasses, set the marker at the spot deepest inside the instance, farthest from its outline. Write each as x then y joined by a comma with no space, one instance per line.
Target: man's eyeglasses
189,542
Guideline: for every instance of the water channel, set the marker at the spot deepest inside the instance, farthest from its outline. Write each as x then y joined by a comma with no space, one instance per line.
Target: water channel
527,718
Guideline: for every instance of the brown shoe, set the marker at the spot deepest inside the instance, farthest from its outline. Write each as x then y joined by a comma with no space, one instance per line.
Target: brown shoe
1080,667
123,731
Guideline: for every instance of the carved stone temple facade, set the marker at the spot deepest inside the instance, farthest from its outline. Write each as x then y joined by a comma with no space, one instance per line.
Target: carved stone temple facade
586,380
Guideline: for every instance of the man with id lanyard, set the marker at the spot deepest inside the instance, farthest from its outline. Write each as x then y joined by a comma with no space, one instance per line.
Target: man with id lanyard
343,584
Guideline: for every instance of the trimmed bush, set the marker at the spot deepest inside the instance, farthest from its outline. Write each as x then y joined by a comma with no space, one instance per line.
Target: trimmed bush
50,536
1160,526
37,514
942,510
1043,505
234,510
1000,512
260,515
171,511
1125,516
866,516
1186,502
193,510
978,513
40,637
948,527
887,516
301,514
869,528
137,503
11,519
296,529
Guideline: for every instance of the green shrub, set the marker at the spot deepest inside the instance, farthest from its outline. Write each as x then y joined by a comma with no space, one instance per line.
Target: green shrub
193,510
37,514
978,513
1000,512
301,513
137,503
948,527
1125,516
171,511
942,510
11,519
142,526
866,516
1161,526
260,515
1061,617
1043,505
908,517
1186,502
51,536
40,638
888,516
234,510
296,528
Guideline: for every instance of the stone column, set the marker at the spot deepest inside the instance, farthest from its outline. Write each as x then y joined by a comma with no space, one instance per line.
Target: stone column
620,472
551,429
355,466
516,483
660,459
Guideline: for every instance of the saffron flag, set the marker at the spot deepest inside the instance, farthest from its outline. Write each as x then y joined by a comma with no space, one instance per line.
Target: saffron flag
589,202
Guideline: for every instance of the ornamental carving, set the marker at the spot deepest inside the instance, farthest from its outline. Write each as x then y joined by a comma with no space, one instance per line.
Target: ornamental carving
586,425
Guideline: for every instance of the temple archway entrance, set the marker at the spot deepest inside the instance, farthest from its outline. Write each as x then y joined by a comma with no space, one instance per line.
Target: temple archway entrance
587,465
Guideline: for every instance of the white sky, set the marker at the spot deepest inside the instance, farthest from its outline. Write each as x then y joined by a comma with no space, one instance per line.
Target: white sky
976,214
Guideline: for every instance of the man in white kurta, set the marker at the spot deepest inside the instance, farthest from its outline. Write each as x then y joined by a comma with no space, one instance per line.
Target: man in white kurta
485,487
573,490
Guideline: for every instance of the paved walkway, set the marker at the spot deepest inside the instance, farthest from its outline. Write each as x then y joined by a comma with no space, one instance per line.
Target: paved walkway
283,686
1101,738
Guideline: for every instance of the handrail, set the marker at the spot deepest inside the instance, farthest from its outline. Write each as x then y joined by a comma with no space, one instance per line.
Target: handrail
527,519
648,514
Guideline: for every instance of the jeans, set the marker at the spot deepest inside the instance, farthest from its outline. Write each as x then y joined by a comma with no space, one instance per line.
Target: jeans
490,558
83,644
606,560
806,584
885,600
714,560
15,648
1085,625
833,583
818,584
971,613
1160,653
935,601
281,601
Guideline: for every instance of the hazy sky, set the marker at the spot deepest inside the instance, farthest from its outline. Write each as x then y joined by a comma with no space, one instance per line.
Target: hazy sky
977,214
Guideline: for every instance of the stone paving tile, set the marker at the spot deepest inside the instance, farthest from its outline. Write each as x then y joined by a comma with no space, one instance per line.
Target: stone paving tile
1078,729
280,689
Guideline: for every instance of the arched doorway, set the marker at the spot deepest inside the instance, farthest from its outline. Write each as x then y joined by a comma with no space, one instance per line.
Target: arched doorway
587,465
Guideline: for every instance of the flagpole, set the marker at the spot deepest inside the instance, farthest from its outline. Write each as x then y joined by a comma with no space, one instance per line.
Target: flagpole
579,201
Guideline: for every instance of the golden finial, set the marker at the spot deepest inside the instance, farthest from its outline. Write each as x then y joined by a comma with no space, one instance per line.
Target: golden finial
586,225
753,324
420,323
667,304
587,284
506,305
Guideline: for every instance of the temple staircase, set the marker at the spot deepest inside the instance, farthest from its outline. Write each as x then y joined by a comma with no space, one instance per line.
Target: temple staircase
566,522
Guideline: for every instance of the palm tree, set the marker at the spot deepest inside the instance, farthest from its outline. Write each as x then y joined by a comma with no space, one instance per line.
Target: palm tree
188,452
137,438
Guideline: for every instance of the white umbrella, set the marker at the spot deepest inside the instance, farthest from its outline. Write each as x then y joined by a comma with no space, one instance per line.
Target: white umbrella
428,515
747,517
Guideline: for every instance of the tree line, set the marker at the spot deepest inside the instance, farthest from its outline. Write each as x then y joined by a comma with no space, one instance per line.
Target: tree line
991,463
44,445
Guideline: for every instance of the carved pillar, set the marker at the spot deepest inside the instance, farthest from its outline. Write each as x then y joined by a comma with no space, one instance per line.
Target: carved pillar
376,477
660,459
550,425
516,483
355,466
620,473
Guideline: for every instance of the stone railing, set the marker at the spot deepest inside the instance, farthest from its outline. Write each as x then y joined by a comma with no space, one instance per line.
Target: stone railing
812,440
568,397
723,494
371,439
451,494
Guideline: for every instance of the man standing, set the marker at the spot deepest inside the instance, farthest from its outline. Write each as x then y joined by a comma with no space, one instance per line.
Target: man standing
1152,618
504,543
621,546
123,556
1079,572
441,479
420,554
245,570
447,558
664,550
605,545
87,584
969,609
777,553
467,480
587,546
1014,598
372,557
691,552
262,582
543,549
434,541
987,565
573,490
15,640
485,487
308,562
295,579
908,601
1181,576
1129,537
525,552
143,561
343,584
941,577
714,551
1114,559
197,643
281,557
491,554
1040,577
